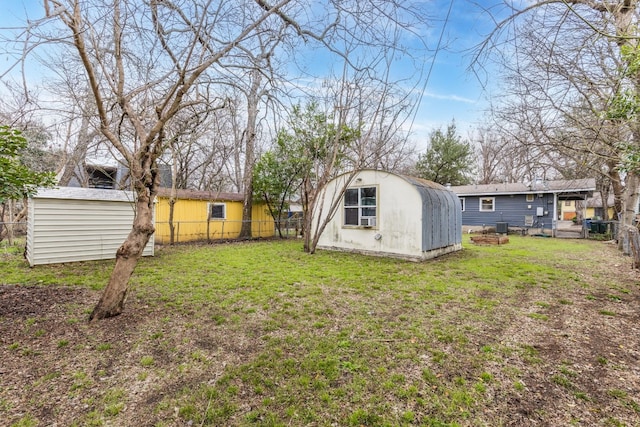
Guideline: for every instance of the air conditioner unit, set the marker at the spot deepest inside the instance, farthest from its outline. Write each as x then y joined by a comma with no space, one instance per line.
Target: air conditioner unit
368,221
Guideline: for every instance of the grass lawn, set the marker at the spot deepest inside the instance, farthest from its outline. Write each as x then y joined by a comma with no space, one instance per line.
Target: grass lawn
535,332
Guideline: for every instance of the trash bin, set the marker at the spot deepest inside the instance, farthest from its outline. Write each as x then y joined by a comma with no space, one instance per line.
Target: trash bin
598,227
587,223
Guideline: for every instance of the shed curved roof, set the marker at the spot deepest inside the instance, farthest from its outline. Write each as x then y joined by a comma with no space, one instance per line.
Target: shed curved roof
425,183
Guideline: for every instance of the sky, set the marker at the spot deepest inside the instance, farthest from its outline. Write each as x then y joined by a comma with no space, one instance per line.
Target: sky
451,92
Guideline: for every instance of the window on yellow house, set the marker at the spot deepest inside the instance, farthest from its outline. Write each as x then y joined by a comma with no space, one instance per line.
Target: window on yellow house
217,211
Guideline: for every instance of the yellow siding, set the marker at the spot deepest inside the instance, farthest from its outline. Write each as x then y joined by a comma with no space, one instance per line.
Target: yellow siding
592,213
568,208
190,218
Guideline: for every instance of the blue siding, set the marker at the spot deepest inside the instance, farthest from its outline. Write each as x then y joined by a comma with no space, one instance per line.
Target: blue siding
511,209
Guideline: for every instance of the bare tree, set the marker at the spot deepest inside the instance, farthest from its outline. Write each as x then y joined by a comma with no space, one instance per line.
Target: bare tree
182,138
143,63
491,148
571,71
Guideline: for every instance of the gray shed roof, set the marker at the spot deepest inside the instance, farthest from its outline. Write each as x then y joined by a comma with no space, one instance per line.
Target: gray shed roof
561,186
202,195
596,200
78,193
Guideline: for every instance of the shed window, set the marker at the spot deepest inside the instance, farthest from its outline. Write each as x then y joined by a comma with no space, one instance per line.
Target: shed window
487,204
360,206
217,211
462,203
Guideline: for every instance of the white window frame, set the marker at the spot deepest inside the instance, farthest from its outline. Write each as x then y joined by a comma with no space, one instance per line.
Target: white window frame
372,220
530,197
493,204
210,207
463,203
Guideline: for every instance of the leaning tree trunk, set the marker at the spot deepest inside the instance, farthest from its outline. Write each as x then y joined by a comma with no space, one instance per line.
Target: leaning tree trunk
114,295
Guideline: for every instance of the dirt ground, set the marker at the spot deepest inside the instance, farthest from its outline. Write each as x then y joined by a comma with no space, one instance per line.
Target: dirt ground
52,371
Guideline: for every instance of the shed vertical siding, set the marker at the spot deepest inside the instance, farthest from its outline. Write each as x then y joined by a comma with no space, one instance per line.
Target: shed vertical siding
63,227
442,219
454,212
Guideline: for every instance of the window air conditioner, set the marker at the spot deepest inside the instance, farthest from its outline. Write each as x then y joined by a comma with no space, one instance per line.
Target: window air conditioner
368,222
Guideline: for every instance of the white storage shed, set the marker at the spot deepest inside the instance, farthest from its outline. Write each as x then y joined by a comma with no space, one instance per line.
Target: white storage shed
387,214
68,224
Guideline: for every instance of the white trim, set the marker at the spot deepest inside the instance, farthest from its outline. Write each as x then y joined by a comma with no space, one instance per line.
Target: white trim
371,221
493,204
210,211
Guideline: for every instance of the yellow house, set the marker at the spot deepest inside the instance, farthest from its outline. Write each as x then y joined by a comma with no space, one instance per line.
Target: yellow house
568,209
593,208
207,215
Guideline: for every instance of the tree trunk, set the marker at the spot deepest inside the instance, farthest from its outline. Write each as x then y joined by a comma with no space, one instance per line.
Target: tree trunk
78,155
2,221
173,194
172,227
249,155
604,196
632,183
618,189
19,217
247,207
307,220
9,225
114,295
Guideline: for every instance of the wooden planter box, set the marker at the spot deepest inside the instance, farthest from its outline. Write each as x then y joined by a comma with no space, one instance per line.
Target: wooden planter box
490,239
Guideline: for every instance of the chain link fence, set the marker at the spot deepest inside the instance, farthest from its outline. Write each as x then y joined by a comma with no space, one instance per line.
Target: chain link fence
13,237
212,230
14,234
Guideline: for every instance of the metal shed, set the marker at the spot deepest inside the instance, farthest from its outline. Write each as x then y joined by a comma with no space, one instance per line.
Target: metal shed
78,224
397,216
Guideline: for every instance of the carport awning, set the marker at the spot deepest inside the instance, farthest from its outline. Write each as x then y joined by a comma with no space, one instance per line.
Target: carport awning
576,195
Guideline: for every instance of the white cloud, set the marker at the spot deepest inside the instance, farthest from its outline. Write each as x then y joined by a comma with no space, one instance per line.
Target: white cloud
449,97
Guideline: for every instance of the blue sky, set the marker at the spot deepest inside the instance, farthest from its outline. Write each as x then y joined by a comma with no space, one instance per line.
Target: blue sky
451,92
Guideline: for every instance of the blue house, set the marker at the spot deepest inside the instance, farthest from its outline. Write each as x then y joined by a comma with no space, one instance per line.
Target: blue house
535,206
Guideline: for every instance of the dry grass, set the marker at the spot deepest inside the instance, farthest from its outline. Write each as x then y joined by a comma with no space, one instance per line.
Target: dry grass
534,332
